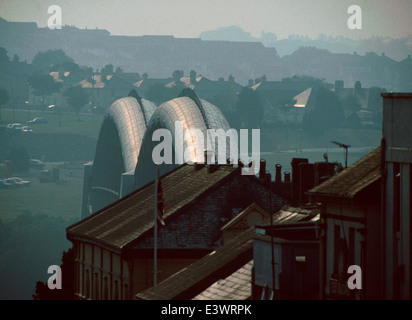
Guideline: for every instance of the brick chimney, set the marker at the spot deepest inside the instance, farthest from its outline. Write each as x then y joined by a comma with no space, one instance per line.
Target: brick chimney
278,176
262,169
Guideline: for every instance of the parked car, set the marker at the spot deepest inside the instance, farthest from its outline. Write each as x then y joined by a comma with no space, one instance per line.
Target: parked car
26,129
4,184
15,126
37,120
36,164
18,182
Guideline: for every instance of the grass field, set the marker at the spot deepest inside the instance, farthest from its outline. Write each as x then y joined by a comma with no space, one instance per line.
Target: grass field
89,124
57,200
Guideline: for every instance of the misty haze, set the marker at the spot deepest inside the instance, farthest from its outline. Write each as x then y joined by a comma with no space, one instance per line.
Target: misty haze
78,108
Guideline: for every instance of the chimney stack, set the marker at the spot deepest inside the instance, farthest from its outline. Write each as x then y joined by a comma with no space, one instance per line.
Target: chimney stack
262,169
287,176
278,176
296,182
268,178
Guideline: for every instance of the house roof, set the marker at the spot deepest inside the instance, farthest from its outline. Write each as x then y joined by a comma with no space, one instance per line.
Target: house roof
126,220
223,263
237,223
302,98
353,179
199,275
289,214
298,86
99,82
237,286
150,82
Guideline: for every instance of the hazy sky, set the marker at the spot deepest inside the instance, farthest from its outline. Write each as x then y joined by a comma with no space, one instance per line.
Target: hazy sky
188,18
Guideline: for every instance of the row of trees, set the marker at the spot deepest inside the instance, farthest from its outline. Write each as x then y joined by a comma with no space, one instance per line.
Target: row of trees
44,85
39,78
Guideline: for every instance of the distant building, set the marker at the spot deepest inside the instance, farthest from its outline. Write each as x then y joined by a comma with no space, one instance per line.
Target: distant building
286,256
351,230
366,211
285,101
397,195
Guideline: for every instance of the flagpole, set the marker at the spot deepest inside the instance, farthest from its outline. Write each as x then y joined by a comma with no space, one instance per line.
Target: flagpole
155,229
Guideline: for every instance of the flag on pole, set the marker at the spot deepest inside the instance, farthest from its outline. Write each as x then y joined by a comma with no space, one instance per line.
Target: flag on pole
160,203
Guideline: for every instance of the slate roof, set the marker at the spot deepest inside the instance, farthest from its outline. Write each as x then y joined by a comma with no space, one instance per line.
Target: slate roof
237,286
252,207
124,221
198,276
289,214
224,269
353,179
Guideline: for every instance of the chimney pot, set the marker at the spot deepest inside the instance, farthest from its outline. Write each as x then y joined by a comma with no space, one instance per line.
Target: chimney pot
278,176
262,169
287,176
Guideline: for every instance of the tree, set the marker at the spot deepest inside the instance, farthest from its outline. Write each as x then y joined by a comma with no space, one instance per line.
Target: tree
67,291
76,98
225,101
50,59
351,104
159,93
177,75
108,69
250,107
311,81
43,85
4,97
326,114
4,58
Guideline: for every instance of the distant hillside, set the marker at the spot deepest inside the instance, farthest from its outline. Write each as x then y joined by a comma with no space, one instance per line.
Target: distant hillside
234,33
159,56
396,49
